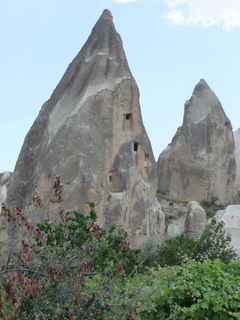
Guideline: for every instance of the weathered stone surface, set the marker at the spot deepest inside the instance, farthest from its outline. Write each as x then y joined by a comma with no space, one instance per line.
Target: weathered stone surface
3,194
6,175
156,223
90,132
4,182
231,217
199,163
173,208
4,236
176,227
195,221
237,156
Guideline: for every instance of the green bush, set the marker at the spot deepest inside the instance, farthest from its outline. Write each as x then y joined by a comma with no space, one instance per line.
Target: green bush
147,252
68,273
194,290
76,225
214,243
203,291
108,247
77,270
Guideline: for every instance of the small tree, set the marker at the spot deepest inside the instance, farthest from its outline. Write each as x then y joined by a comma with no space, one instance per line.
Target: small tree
214,243
70,269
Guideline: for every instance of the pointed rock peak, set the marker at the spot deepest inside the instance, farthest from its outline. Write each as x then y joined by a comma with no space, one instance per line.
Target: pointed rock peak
202,104
202,146
106,14
100,64
104,25
90,133
106,17
201,86
203,83
202,92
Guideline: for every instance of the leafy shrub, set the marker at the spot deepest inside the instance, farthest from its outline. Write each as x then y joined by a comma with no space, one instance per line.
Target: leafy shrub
76,270
148,252
70,270
110,247
74,223
211,206
214,243
194,290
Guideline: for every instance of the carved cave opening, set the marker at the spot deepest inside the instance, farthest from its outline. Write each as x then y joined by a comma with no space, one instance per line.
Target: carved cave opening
146,160
127,122
141,158
115,181
135,147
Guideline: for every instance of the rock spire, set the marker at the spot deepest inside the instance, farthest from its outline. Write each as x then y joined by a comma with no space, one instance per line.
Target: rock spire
199,163
90,132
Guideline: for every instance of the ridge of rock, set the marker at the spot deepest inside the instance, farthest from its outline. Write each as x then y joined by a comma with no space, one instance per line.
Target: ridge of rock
199,163
90,132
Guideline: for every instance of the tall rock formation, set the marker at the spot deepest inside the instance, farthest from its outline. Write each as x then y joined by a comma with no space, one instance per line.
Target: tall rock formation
90,132
199,163
237,156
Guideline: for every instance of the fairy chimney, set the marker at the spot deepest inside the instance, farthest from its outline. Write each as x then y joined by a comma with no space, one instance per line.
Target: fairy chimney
90,133
199,163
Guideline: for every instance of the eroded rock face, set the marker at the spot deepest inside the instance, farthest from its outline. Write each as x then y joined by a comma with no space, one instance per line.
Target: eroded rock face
196,220
4,183
199,163
90,132
231,218
237,156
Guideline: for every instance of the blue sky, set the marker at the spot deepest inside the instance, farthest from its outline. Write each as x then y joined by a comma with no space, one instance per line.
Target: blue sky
170,45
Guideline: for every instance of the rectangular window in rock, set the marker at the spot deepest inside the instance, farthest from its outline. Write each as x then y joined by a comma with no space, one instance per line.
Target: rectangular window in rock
146,160
115,181
136,153
127,122
135,147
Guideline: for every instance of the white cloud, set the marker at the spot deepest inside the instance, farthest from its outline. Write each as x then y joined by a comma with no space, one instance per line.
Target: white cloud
125,1
224,14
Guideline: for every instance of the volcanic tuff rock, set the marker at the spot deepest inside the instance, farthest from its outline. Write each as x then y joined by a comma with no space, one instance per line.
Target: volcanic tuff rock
231,218
196,220
237,156
90,132
199,163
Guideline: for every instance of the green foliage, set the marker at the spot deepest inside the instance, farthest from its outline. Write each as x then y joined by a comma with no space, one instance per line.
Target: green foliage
195,290
77,225
112,246
214,243
77,270
148,252
174,251
211,206
68,273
